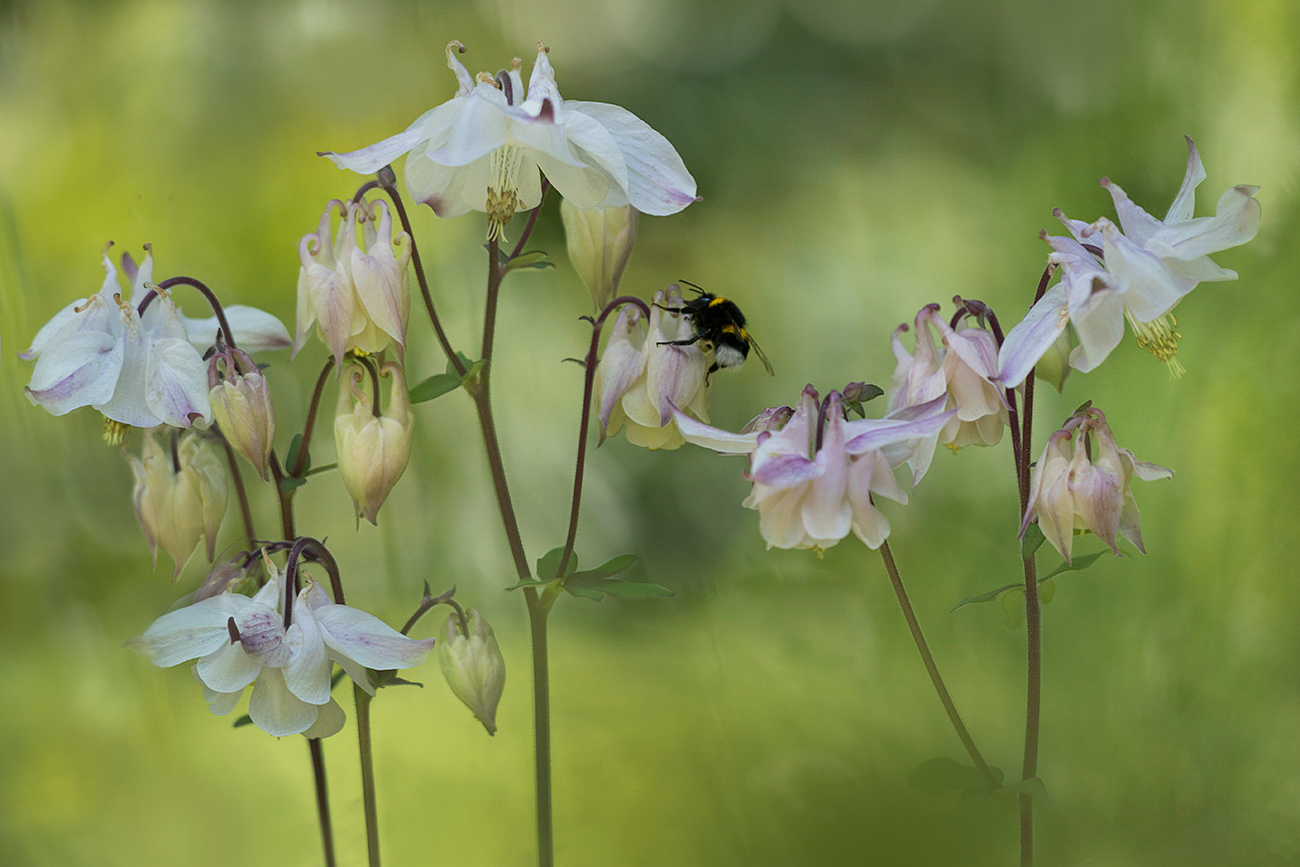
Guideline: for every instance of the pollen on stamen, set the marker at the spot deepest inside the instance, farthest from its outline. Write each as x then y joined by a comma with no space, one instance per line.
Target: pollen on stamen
1160,339
114,431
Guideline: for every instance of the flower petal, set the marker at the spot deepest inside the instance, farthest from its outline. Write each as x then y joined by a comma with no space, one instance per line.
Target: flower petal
277,711
190,632
657,180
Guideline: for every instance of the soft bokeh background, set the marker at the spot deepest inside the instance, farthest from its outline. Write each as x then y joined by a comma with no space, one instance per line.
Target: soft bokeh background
857,160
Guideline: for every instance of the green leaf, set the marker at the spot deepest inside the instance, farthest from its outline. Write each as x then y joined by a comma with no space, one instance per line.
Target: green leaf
1033,539
1046,590
535,259
292,459
549,565
607,569
442,383
529,582
984,597
288,483
939,775
435,386
244,720
619,589
1078,564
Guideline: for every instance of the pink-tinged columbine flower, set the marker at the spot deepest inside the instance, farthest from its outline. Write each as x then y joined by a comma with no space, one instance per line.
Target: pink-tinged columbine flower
1081,482
641,379
181,492
962,366
239,641
814,478
1139,275
355,295
372,449
137,370
482,150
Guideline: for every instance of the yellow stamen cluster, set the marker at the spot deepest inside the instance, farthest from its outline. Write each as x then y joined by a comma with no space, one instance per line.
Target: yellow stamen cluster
1160,339
114,431
502,194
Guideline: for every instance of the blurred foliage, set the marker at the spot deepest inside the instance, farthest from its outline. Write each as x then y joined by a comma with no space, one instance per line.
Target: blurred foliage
857,160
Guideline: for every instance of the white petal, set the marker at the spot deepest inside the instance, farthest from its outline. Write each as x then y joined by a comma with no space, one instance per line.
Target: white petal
657,180
190,632
368,640
308,673
79,369
176,383
480,129
1184,204
1033,336
1235,221
720,441
370,159
255,330
277,711
49,329
228,669
1138,224
329,721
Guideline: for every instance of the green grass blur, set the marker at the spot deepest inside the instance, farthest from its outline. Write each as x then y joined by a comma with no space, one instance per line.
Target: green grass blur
857,160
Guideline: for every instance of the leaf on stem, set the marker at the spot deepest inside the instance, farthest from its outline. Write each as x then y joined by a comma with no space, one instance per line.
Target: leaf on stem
940,775
442,383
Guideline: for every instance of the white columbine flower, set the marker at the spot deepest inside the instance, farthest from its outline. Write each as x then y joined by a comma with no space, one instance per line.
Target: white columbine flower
1139,275
482,150
137,370
239,641
814,479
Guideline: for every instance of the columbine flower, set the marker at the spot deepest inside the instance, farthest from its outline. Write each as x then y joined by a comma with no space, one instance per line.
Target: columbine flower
137,370
641,380
1138,275
240,641
180,496
472,662
482,150
1081,482
600,243
814,479
372,449
963,367
241,405
357,298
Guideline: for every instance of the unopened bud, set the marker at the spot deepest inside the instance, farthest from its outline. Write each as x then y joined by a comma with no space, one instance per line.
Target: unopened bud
372,450
241,406
473,665
771,419
600,243
180,496
1054,366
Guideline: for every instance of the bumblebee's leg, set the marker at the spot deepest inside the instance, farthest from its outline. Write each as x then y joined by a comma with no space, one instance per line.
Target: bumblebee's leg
678,342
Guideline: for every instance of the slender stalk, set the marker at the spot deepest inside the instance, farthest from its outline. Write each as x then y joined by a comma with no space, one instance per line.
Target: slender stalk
322,800
1033,616
240,493
367,774
539,608
933,669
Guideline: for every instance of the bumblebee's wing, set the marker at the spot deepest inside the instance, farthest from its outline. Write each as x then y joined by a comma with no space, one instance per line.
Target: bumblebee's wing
753,344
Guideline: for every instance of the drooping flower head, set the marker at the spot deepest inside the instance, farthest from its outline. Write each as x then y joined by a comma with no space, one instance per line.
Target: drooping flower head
241,405
1138,274
239,640
815,477
137,369
642,378
1082,482
486,148
962,366
353,285
373,447
181,492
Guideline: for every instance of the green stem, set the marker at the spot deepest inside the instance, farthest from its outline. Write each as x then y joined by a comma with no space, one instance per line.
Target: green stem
933,669
322,800
1034,643
367,774
539,609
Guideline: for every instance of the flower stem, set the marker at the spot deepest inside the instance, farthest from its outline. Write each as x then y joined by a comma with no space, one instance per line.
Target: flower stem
367,774
322,800
240,492
227,337
539,608
933,669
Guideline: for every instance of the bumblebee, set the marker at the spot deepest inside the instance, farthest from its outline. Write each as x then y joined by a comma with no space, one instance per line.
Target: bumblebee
719,326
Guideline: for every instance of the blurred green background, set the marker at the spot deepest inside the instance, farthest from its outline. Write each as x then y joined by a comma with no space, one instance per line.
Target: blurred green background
857,160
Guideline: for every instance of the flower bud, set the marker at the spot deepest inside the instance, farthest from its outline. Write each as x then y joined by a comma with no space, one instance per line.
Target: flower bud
372,449
1054,366
180,496
600,243
241,406
472,663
